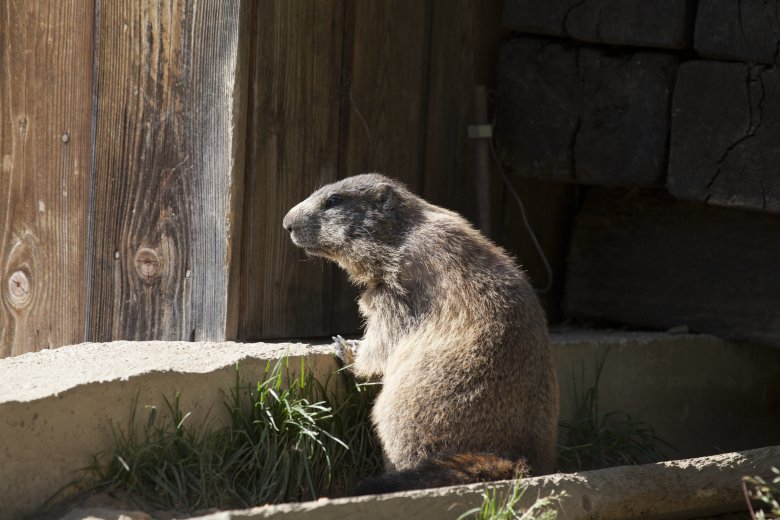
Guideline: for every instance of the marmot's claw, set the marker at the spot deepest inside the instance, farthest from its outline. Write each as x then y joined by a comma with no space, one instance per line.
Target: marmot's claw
345,349
339,344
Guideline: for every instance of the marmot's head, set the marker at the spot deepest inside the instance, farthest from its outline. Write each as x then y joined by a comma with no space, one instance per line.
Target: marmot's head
356,222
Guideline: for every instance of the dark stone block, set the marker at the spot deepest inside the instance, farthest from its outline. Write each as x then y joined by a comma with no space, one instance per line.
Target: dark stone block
747,30
652,261
725,143
577,114
646,23
538,108
625,119
538,16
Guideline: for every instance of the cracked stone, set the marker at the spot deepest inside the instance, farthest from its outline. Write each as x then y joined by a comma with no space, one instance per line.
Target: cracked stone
660,23
724,147
567,113
746,30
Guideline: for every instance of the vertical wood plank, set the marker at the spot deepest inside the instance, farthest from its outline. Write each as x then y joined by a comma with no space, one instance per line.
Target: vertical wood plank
464,46
293,140
46,51
550,208
383,117
386,59
168,169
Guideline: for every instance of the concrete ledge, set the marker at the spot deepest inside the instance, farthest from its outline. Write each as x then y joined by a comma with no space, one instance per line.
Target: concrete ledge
57,406
690,488
701,394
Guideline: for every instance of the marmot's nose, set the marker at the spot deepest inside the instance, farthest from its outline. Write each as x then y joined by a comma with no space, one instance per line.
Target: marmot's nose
288,223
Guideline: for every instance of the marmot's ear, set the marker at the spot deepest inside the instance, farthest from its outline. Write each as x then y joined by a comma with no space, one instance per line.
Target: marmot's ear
384,195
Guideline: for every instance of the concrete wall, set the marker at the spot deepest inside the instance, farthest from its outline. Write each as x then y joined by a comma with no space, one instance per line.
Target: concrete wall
702,394
57,406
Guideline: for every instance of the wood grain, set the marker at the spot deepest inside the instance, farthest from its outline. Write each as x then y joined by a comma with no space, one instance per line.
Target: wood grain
463,51
385,84
383,118
168,169
293,140
550,208
46,53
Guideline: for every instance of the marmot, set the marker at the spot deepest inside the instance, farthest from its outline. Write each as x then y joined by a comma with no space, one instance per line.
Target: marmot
453,329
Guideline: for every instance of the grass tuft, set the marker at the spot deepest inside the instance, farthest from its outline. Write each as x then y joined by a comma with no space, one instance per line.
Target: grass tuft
766,493
505,506
287,441
290,439
595,439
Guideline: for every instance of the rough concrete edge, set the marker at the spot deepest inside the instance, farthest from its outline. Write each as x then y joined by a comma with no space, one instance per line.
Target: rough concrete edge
39,464
39,375
562,336
47,373
224,354
687,488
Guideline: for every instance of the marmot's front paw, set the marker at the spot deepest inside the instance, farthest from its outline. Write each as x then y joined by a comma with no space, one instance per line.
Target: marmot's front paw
346,349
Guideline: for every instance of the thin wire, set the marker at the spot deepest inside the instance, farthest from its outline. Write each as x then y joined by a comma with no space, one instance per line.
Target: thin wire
520,205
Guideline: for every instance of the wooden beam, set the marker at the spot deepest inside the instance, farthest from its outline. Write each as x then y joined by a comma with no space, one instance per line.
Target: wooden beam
168,169
293,140
383,118
550,209
385,59
463,51
46,51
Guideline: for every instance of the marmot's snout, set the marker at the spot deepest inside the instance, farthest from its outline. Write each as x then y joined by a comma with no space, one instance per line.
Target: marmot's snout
296,223
308,229
290,221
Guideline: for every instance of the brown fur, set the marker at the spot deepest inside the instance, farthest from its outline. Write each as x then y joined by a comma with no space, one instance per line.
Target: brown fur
464,468
453,328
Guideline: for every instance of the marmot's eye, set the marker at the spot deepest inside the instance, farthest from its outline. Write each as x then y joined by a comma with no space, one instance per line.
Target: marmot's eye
333,200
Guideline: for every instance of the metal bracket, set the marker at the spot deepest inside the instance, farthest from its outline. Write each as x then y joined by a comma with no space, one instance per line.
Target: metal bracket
481,131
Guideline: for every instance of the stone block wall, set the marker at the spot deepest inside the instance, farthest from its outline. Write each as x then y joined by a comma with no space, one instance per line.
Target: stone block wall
670,93
562,106
667,114
660,23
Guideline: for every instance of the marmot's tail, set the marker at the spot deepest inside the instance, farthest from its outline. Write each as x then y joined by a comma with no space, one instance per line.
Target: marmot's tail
465,468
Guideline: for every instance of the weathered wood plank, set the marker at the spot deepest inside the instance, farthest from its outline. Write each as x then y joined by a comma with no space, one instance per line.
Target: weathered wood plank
384,89
386,59
46,54
168,169
464,47
463,51
293,149
652,261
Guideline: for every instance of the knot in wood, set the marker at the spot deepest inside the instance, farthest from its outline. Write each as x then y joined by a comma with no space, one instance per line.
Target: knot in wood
147,263
18,289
